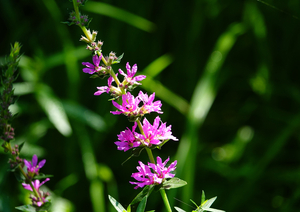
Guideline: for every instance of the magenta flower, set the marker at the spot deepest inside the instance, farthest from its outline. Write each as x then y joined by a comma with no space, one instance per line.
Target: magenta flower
106,89
33,167
92,68
129,77
39,201
150,106
127,139
155,134
129,107
146,177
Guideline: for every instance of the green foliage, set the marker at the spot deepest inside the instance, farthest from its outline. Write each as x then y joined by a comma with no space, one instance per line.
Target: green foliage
229,88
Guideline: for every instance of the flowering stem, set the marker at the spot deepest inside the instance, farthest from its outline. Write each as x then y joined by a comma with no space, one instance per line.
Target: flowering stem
24,174
165,199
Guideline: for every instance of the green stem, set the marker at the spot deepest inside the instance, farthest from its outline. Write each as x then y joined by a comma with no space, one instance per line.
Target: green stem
165,199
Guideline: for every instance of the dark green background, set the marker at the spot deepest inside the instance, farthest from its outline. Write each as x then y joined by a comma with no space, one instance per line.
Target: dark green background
235,62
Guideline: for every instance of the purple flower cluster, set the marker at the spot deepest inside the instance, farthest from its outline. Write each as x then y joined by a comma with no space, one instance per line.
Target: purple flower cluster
130,105
154,134
159,173
38,201
33,168
135,107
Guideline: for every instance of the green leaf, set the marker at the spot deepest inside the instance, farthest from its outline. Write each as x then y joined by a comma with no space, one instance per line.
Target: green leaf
173,183
116,204
119,59
44,208
52,106
145,192
179,209
26,208
202,197
142,205
21,146
19,176
42,176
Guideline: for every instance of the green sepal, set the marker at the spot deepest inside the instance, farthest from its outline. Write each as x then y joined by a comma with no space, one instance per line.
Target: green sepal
42,176
116,204
173,183
118,60
144,193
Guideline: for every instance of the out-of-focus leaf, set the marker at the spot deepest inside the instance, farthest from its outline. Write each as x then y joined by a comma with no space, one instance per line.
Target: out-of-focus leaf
26,208
52,106
120,14
160,90
84,115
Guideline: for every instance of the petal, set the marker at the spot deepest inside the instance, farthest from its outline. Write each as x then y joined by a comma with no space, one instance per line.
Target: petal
34,160
134,70
28,164
41,164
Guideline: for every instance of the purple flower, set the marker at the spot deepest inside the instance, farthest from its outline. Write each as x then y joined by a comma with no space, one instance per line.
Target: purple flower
33,167
39,201
129,107
129,77
146,177
127,139
155,134
92,68
106,89
150,106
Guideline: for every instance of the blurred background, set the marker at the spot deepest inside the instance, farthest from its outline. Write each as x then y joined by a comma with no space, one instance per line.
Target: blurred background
226,71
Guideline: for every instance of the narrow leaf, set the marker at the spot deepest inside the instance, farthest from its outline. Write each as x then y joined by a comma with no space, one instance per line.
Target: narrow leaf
142,205
179,209
145,192
116,204
202,197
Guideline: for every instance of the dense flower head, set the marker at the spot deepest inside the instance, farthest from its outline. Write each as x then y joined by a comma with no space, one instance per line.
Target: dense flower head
33,167
127,139
129,78
155,134
159,173
38,201
92,68
130,105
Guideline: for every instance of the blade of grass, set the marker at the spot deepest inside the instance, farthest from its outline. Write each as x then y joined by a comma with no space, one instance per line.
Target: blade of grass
120,14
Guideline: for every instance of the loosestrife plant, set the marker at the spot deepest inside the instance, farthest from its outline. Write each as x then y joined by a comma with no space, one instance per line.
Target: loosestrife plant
157,173
27,172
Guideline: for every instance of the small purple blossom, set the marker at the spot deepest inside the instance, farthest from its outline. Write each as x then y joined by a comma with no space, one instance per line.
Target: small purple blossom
34,167
155,134
92,68
39,201
145,176
127,139
129,107
106,89
129,77
150,106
